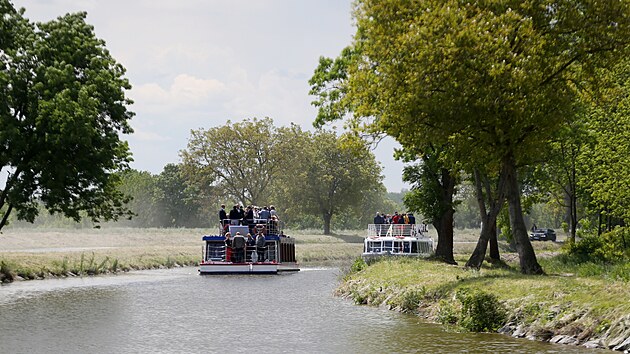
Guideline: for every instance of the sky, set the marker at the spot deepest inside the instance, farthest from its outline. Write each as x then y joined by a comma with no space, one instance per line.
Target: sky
198,63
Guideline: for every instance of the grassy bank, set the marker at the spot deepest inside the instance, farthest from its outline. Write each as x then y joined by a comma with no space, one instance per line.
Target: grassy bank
567,306
37,254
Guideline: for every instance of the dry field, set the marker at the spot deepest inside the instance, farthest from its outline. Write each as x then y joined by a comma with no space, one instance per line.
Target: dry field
39,253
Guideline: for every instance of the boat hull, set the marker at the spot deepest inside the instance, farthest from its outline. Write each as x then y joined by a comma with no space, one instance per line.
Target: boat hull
240,268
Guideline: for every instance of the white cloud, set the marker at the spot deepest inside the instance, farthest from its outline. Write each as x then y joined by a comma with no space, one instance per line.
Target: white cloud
184,90
195,64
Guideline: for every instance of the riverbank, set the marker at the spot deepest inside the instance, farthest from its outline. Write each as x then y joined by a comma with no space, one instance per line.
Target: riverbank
567,308
27,254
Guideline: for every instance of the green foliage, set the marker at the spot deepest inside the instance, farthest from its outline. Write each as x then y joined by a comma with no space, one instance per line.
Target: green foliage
240,161
358,265
335,176
610,247
481,311
448,313
430,188
62,112
604,166
411,299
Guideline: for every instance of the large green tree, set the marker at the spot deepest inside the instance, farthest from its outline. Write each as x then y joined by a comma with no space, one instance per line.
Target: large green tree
604,163
179,200
238,160
334,177
432,193
493,79
63,110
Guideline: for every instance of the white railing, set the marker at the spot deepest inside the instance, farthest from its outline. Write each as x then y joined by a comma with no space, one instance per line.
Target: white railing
397,230
423,246
215,252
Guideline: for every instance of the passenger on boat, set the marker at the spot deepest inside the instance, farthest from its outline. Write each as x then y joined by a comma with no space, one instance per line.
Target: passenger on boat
395,218
264,214
378,221
260,246
228,247
273,225
272,211
249,215
238,245
223,215
251,245
235,216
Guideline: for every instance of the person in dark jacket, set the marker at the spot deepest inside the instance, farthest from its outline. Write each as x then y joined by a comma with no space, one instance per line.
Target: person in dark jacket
379,220
222,215
235,215
260,246
238,245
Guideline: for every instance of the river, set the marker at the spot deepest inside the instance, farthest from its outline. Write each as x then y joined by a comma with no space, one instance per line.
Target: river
179,311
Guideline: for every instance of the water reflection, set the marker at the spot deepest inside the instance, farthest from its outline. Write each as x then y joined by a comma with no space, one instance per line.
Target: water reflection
178,311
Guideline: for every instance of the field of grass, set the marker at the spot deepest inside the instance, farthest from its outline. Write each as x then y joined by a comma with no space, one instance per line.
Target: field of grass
36,253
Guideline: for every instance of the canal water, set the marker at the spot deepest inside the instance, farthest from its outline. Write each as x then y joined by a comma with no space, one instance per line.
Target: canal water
179,311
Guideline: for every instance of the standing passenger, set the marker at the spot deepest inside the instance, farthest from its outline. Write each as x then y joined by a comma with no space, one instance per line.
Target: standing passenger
228,247
238,244
260,246
222,216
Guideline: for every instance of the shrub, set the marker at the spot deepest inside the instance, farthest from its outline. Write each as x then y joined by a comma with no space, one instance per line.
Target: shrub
481,311
358,265
610,247
447,313
7,274
411,299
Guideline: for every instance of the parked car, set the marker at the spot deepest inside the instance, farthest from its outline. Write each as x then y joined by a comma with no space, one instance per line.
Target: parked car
543,235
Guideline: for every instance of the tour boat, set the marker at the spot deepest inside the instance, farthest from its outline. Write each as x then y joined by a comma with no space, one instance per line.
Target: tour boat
278,254
406,240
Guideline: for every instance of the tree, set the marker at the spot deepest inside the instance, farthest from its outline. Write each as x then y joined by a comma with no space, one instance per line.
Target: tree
239,160
604,161
432,192
492,79
140,186
490,198
179,201
335,177
62,111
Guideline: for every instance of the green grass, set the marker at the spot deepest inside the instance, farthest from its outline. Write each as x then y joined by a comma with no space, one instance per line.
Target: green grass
563,300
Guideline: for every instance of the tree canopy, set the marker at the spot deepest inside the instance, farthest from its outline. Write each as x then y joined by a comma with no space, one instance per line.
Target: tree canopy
334,176
493,81
62,112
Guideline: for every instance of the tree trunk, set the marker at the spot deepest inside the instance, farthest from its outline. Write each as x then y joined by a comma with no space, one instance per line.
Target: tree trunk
444,224
527,256
489,216
327,218
494,243
5,217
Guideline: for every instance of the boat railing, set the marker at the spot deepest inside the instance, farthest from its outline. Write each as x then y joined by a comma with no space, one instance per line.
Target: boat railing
399,246
266,226
222,253
396,230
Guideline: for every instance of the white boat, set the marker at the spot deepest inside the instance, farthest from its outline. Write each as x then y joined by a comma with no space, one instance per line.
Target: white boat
278,253
405,240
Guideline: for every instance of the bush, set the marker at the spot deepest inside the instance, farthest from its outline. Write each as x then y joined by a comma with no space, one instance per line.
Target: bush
411,299
447,313
358,265
481,311
7,274
610,247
